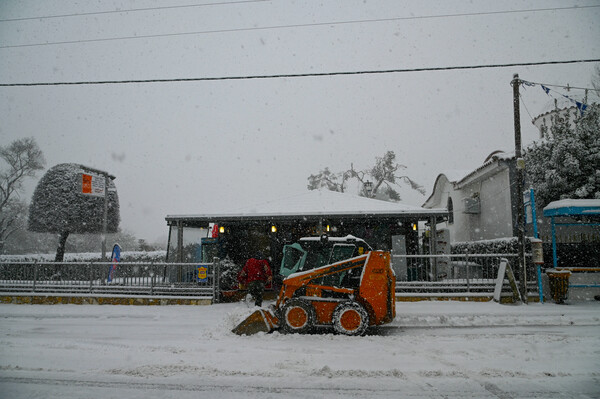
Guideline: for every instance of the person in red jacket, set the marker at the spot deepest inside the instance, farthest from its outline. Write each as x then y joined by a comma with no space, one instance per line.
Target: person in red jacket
255,274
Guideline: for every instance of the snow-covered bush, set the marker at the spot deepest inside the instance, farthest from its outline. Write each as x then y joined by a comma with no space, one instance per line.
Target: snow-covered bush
229,274
508,245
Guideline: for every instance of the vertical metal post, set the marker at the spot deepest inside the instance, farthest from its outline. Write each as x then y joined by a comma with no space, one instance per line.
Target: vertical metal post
216,280
105,218
519,188
540,288
91,276
433,245
536,234
467,271
179,257
533,213
152,278
152,273
35,274
178,268
554,258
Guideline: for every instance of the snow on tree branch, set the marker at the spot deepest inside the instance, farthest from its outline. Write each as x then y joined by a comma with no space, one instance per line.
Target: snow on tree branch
566,164
380,181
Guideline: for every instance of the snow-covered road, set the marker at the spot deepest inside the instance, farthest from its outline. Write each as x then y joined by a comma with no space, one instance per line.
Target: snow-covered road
432,350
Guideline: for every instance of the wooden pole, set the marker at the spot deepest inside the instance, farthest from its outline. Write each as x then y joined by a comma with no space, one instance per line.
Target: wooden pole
105,218
520,166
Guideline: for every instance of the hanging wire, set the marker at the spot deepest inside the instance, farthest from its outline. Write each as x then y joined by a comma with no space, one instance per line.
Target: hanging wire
525,106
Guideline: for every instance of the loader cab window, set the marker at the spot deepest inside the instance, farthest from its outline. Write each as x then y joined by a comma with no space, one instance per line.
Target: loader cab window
318,254
293,259
341,279
341,252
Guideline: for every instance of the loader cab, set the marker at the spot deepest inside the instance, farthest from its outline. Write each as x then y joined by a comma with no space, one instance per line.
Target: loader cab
312,252
210,248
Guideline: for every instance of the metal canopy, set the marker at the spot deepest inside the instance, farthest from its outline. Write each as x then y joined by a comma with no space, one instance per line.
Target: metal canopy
573,208
314,206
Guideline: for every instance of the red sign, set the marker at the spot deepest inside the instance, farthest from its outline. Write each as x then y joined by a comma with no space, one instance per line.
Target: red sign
92,185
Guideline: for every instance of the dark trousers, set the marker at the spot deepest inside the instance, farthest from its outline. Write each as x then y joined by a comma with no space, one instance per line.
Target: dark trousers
256,289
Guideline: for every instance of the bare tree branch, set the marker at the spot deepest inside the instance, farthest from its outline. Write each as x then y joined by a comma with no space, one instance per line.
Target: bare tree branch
22,158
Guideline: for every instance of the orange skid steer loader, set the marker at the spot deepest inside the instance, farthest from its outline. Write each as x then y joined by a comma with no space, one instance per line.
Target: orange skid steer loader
349,296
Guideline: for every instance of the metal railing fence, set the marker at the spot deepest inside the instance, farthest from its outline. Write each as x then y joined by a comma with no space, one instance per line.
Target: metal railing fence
454,273
135,278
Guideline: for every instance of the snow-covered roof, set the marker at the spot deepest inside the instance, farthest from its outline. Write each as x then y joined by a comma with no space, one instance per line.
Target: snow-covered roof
491,159
455,175
569,207
320,203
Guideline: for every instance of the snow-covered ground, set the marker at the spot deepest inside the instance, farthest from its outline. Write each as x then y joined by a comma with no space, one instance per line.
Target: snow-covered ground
432,350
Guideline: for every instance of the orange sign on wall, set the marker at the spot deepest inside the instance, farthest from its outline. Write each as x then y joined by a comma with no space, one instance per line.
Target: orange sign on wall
92,185
86,183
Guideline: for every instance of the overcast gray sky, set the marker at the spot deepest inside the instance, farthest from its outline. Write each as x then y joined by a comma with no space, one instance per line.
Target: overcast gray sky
196,147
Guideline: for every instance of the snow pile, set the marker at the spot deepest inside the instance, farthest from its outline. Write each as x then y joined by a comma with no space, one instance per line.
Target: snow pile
432,350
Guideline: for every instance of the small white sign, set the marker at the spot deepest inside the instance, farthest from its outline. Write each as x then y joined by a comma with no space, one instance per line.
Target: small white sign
92,184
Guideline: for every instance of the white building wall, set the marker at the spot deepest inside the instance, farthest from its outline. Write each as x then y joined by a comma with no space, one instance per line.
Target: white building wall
458,228
495,217
495,220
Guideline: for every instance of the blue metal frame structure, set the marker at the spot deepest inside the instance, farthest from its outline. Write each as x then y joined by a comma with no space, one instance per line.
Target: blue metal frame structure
570,208
530,204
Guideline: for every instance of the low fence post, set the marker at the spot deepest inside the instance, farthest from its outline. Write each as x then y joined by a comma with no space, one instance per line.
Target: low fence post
35,274
91,277
467,271
216,280
152,277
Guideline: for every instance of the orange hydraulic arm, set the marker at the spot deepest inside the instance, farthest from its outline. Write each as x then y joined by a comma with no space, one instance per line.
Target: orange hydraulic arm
303,279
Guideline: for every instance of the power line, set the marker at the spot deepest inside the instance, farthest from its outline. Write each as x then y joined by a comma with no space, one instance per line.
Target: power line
313,24
300,75
85,14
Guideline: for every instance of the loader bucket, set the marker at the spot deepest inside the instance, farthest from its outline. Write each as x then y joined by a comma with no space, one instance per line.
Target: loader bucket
259,321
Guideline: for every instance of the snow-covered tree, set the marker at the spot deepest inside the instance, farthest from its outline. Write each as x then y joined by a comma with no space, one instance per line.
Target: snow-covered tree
21,159
380,181
59,207
566,163
331,181
229,274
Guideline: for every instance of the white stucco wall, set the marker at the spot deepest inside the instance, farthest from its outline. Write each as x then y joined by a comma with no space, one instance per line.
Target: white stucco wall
495,217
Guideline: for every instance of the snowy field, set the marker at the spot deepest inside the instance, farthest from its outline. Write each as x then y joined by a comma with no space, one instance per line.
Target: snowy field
432,350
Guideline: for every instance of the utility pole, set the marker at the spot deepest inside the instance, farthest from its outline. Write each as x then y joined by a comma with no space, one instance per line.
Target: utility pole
105,218
520,170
